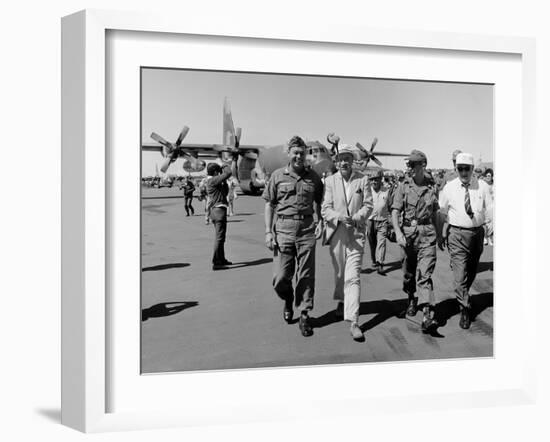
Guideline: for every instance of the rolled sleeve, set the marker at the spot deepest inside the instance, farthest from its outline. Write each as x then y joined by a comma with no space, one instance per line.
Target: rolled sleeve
398,198
270,191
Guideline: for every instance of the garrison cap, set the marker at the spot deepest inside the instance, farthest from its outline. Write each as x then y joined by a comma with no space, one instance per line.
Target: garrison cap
417,156
296,141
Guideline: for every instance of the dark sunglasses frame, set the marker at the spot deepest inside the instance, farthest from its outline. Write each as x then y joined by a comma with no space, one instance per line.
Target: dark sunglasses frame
463,168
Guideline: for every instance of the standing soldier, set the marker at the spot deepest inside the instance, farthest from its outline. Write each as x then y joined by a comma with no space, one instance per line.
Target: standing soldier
464,203
293,194
377,223
416,202
188,189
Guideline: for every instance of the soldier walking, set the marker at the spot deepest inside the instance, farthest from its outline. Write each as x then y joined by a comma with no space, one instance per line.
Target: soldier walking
415,201
294,193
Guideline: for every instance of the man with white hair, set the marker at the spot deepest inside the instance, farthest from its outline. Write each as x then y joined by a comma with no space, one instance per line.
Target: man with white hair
463,204
347,203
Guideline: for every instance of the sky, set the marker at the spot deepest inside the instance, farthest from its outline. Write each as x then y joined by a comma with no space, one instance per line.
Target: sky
433,117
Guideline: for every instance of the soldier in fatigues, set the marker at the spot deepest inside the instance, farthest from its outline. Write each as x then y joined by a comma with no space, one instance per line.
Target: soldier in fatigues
294,193
415,201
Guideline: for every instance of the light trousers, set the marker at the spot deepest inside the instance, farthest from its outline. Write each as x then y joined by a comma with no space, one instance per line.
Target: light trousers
346,251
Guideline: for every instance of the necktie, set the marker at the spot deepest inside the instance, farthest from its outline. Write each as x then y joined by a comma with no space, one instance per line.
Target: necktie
467,204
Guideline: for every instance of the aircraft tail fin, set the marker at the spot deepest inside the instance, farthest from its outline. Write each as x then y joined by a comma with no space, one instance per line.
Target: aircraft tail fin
228,136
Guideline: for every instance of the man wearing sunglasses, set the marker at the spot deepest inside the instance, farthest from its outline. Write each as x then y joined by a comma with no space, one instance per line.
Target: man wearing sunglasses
463,204
414,211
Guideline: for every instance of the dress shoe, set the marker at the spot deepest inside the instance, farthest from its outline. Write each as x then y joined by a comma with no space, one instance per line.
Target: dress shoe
225,262
288,313
429,324
339,312
218,266
411,309
465,320
356,332
305,325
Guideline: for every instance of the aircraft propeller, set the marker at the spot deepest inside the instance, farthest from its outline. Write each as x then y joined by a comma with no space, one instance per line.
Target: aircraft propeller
171,151
369,153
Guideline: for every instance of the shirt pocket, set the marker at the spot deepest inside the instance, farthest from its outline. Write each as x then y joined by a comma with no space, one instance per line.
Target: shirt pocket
286,189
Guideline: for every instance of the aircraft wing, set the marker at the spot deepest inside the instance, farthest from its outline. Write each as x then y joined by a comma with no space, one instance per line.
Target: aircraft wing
390,154
206,149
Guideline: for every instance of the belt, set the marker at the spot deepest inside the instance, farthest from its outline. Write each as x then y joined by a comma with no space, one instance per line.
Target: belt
417,222
296,217
472,229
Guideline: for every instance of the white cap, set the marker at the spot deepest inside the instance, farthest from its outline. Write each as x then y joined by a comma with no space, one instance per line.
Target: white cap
465,158
347,148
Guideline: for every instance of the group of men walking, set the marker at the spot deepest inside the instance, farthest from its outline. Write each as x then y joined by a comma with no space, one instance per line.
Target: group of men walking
351,208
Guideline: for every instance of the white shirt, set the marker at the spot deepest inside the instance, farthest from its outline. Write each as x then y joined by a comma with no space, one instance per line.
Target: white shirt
451,202
379,200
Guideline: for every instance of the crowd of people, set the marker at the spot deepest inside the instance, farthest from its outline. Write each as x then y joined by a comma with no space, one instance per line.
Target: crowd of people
418,209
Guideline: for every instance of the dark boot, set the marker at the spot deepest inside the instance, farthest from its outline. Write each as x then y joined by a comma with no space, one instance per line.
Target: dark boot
465,319
411,309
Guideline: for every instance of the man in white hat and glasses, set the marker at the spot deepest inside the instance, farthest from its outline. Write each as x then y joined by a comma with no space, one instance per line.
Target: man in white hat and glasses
463,205
347,204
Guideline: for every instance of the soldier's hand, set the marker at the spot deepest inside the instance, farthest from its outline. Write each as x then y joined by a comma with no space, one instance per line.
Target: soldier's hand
319,230
442,241
269,241
401,240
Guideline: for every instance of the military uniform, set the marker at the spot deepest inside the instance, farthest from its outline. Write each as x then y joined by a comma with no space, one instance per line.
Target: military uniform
292,197
417,205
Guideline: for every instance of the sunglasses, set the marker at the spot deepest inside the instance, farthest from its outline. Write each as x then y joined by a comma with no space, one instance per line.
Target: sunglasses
413,164
463,168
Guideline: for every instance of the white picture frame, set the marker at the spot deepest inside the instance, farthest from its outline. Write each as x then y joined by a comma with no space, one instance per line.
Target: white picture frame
86,350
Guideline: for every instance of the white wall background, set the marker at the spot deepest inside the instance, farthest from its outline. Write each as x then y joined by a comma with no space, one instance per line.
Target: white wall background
30,215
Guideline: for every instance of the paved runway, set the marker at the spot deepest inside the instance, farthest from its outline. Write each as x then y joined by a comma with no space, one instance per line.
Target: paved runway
194,318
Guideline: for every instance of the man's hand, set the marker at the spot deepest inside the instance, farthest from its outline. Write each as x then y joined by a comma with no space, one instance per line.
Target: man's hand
443,239
270,244
348,222
400,238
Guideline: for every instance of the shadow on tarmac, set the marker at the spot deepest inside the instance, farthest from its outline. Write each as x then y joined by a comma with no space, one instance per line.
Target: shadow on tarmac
166,309
175,265
239,265
484,266
388,267
445,310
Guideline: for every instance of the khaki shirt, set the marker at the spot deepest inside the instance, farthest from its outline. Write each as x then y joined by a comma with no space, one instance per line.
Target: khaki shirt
293,194
417,203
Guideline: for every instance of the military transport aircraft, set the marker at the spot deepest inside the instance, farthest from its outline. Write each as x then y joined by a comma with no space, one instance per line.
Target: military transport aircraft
255,162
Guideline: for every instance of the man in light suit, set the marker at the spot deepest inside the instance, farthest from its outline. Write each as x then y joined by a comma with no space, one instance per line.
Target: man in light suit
346,206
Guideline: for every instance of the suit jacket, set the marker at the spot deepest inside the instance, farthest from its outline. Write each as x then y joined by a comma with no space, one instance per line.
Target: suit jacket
359,202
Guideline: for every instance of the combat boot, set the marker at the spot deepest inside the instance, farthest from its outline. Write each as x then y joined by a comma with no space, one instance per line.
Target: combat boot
465,319
411,308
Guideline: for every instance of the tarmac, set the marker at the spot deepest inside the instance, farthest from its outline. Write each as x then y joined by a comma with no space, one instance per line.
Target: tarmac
194,318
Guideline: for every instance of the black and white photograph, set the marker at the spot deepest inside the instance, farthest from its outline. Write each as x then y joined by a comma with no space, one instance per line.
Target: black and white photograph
298,220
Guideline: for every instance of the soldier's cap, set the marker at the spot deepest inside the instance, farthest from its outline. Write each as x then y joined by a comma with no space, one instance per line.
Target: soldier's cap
378,175
417,156
347,148
296,141
455,153
465,158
